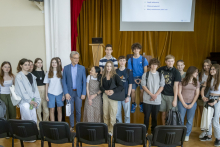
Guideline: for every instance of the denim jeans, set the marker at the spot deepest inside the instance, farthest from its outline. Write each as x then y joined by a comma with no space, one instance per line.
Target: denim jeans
127,108
190,115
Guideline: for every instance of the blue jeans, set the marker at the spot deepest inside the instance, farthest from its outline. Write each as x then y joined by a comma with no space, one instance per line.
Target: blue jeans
190,115
127,108
78,105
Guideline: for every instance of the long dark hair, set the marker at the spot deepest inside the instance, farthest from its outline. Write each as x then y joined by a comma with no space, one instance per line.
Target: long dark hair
203,71
216,77
59,71
36,60
190,71
98,70
21,62
2,72
60,63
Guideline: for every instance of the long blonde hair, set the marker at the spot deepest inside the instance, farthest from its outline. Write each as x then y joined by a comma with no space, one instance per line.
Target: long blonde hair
203,71
105,72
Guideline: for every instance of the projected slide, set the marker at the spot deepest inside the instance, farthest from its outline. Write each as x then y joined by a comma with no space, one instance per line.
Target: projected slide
156,10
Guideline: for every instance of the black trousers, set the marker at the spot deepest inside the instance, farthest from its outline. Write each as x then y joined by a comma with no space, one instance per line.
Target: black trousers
153,111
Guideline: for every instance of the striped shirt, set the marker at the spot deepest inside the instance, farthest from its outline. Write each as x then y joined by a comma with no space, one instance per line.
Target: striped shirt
103,61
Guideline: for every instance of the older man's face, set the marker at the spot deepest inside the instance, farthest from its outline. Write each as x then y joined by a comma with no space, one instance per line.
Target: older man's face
75,59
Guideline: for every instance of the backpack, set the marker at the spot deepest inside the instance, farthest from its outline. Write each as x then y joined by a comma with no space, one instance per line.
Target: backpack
132,58
147,75
173,117
2,109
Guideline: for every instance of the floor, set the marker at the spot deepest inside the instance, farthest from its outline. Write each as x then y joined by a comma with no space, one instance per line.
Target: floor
193,142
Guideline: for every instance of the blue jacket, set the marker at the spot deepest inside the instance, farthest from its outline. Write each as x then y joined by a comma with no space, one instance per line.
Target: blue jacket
80,80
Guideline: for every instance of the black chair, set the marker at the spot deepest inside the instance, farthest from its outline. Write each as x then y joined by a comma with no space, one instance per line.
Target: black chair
4,129
24,130
92,133
56,132
129,134
167,136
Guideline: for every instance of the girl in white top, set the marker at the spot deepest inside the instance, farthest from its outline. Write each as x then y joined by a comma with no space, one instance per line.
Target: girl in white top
213,82
54,89
6,80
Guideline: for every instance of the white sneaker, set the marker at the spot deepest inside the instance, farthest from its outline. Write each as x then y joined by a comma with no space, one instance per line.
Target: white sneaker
187,138
7,137
110,134
31,141
202,134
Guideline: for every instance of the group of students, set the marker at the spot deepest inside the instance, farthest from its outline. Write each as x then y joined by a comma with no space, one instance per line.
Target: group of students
109,88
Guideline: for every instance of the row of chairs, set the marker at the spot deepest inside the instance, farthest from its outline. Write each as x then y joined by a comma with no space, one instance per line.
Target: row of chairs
91,133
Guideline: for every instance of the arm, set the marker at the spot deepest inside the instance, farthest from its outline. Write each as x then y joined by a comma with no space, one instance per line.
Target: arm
143,84
205,99
118,83
47,91
84,82
64,79
194,99
175,90
145,69
181,96
20,90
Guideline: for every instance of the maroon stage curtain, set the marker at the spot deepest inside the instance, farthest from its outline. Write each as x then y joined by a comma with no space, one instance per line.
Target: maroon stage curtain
75,7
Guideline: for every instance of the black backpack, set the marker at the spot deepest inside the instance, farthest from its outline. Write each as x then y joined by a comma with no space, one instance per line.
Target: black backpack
173,117
2,109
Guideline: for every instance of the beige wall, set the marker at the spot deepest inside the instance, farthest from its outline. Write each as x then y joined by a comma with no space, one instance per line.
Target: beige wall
21,32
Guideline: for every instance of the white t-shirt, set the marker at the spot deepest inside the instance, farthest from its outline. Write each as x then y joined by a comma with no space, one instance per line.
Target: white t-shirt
55,84
88,78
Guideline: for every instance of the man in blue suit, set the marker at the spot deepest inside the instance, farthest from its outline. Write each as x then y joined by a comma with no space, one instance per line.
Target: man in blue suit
74,86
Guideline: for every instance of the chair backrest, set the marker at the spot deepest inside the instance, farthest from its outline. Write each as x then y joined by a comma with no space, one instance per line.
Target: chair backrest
24,129
92,133
169,135
3,128
129,134
55,132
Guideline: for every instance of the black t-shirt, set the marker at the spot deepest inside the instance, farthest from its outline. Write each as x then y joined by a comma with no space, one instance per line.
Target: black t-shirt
171,76
40,77
30,78
126,77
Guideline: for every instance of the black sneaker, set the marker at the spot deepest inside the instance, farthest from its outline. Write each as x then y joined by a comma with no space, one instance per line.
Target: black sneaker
206,138
217,142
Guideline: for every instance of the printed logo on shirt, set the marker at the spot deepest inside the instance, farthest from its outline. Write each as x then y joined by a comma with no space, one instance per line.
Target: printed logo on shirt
123,78
167,76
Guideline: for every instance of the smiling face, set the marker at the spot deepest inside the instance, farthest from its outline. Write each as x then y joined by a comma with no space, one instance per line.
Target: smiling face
6,68
153,66
74,59
25,66
206,67
170,62
212,71
136,51
109,67
93,72
54,64
195,74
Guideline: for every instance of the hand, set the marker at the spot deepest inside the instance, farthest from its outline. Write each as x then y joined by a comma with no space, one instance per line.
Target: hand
63,98
83,97
107,92
190,106
212,104
33,103
174,103
205,99
92,96
111,92
153,96
185,105
127,99
137,81
47,99
152,99
90,102
68,97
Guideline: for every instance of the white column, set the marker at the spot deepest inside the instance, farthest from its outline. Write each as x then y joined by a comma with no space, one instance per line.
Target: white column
57,30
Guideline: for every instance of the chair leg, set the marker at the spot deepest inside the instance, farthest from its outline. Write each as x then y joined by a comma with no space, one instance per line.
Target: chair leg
22,144
73,143
81,144
49,144
77,143
12,142
42,143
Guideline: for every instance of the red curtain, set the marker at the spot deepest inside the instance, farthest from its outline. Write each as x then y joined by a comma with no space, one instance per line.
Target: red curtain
75,7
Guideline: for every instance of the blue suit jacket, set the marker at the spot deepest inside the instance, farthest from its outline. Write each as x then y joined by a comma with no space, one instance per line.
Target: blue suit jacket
80,80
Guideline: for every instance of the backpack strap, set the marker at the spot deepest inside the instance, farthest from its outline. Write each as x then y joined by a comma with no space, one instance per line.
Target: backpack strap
147,75
160,75
143,59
